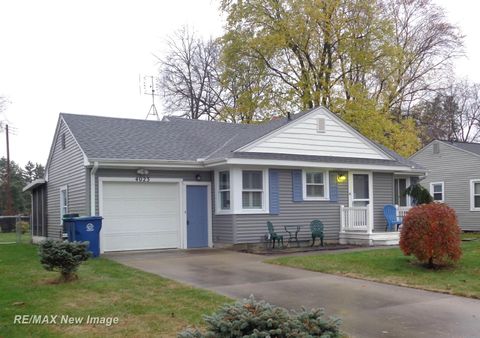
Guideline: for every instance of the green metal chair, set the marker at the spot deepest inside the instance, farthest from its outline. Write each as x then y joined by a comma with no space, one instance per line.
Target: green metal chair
273,236
316,227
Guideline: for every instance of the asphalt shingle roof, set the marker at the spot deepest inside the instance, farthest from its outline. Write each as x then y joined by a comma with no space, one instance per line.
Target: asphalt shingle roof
468,146
178,139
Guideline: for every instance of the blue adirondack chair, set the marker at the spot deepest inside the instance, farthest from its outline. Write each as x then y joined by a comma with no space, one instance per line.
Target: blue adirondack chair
390,213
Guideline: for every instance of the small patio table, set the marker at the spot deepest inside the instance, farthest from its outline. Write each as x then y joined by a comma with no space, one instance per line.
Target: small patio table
292,231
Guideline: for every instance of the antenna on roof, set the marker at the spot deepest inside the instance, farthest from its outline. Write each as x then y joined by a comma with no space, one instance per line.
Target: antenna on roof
151,87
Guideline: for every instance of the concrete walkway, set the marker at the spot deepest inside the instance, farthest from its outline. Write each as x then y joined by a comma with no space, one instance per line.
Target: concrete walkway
367,309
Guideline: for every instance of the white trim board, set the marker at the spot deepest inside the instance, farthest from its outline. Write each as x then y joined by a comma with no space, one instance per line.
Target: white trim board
308,164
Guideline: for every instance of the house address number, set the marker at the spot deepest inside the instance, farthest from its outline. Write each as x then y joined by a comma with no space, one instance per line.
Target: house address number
142,179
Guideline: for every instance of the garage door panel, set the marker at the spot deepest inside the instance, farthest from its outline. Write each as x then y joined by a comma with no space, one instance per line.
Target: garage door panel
132,205
140,216
143,223
135,241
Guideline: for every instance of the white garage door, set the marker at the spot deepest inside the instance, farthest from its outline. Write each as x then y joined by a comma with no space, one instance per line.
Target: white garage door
140,216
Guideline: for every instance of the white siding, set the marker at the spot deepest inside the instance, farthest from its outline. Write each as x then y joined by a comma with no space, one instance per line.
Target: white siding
303,138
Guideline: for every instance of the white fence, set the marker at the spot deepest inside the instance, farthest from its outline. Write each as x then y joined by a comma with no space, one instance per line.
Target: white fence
355,219
358,218
402,211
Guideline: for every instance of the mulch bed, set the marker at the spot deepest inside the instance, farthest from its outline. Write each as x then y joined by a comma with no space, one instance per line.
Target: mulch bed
261,249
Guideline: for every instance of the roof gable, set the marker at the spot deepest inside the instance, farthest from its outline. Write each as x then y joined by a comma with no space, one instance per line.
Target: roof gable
466,147
302,137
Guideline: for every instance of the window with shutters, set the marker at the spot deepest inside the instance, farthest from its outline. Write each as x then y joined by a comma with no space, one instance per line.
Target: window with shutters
252,189
315,185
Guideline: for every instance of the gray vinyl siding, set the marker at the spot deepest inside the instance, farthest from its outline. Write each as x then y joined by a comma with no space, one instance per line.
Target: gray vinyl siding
222,228
66,167
252,228
455,168
382,195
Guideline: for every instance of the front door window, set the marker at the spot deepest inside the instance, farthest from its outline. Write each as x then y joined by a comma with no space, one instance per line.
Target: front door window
400,186
361,190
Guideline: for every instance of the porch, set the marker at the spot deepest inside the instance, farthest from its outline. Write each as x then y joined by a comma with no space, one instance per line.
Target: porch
357,227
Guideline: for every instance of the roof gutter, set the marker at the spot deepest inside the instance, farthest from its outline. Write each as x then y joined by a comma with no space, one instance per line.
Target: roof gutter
136,163
34,184
92,188
328,165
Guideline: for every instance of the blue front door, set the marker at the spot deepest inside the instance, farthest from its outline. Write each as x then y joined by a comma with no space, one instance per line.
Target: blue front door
197,216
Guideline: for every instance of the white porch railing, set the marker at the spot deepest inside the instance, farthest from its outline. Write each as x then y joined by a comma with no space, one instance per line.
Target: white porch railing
358,218
355,219
402,211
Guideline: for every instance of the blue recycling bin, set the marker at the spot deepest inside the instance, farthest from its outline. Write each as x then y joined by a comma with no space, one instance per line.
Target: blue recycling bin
81,229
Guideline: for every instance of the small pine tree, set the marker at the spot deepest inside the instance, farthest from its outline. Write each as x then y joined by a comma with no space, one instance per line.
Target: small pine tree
64,257
250,318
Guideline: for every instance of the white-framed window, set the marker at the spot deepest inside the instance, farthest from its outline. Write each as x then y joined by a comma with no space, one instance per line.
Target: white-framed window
252,189
400,185
63,201
475,195
241,191
315,184
224,190
437,190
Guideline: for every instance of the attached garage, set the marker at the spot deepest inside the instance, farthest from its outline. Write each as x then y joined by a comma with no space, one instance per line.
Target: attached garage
140,216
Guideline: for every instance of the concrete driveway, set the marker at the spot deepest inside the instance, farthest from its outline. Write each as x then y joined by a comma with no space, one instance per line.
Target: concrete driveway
367,309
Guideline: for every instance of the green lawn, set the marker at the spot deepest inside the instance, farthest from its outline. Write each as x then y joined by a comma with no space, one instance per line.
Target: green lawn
145,304
9,237
391,266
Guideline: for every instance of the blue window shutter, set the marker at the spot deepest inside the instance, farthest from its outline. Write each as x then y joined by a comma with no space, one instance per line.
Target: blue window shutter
274,197
297,188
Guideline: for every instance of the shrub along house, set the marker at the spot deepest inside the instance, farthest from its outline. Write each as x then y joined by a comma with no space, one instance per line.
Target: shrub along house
181,183
454,178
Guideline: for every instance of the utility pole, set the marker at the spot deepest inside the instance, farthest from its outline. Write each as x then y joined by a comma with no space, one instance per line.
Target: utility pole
8,192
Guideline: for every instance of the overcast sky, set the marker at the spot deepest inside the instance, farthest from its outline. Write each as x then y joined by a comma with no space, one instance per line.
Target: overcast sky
85,57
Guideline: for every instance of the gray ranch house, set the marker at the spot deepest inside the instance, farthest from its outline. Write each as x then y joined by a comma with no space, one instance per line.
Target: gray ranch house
181,183
454,178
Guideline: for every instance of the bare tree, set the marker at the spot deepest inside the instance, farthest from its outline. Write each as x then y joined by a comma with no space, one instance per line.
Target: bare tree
453,114
424,44
189,76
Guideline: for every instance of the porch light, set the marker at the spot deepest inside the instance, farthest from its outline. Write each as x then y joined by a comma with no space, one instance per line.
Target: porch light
142,172
198,177
341,178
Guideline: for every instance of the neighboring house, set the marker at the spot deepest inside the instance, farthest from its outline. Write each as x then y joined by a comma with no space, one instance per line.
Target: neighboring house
181,183
454,178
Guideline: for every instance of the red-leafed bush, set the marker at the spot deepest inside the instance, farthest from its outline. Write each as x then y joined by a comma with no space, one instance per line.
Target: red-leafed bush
431,233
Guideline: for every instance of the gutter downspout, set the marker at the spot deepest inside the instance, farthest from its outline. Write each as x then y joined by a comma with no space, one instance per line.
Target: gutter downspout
92,188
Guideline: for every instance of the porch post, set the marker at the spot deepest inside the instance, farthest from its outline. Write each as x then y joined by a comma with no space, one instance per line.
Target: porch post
369,221
342,218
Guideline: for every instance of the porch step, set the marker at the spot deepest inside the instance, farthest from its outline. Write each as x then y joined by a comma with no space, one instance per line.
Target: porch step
375,238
